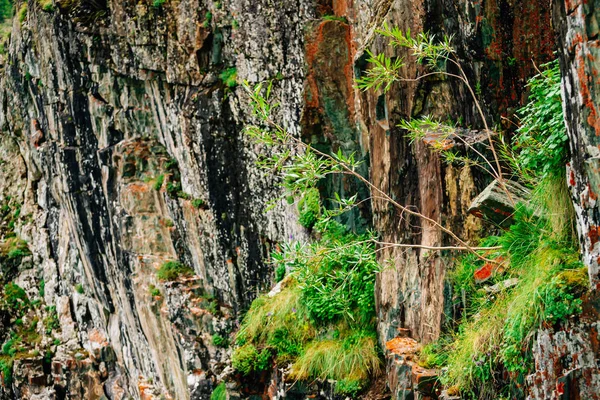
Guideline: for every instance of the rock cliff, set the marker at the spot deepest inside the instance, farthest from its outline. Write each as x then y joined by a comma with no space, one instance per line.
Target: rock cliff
122,149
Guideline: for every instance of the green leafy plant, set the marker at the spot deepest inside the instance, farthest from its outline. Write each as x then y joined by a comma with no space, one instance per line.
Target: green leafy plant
6,369
5,10
15,299
22,14
79,288
46,5
159,182
229,77
335,18
247,359
158,3
207,19
329,290
541,142
154,291
339,283
171,270
51,321
497,331
198,203
309,208
173,188
280,273
220,392
220,341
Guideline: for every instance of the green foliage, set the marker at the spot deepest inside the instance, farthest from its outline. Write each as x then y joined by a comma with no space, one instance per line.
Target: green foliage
321,320
540,250
229,77
46,5
351,358
220,392
335,18
15,299
562,296
5,10
198,203
51,322
14,249
348,387
247,359
6,367
79,288
433,355
42,288
220,341
207,19
22,13
280,273
9,347
309,208
541,142
337,276
171,165
158,3
171,270
173,188
427,49
154,291
159,182
300,167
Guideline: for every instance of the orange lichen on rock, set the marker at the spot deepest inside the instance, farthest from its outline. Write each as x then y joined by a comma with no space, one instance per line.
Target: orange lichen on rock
402,346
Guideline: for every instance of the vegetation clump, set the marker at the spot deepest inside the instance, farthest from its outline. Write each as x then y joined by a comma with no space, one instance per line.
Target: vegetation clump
309,208
46,5
220,341
541,141
199,204
220,392
15,299
229,77
322,320
171,270
158,183
154,291
23,13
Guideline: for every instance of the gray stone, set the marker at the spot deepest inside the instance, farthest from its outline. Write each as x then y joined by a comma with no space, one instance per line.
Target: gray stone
498,201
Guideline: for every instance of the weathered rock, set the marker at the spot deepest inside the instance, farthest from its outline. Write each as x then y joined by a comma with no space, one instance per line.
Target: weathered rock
498,201
578,29
566,363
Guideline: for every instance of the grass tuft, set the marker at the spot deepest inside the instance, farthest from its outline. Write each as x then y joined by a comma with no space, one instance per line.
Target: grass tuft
220,392
498,329
171,270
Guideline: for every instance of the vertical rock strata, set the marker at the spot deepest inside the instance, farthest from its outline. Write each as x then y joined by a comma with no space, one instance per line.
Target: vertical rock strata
578,34
123,146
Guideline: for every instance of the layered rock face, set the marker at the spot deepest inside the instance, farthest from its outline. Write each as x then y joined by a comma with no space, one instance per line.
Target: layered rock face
122,148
